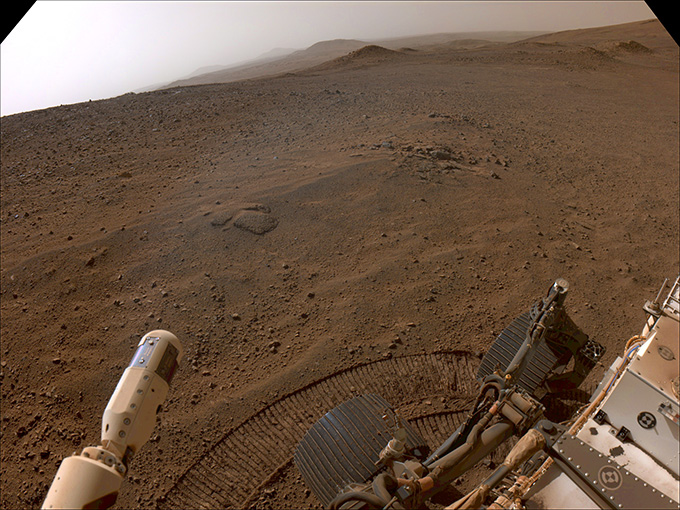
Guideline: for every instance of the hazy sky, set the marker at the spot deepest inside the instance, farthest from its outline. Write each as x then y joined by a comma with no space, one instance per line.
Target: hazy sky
65,52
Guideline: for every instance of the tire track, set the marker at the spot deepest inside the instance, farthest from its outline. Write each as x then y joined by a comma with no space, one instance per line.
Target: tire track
239,465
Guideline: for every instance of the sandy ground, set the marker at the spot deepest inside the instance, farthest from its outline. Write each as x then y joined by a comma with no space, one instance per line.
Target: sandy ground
384,204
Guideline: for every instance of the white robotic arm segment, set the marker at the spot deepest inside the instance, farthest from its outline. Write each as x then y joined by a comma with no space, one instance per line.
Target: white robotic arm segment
93,478
130,415
86,481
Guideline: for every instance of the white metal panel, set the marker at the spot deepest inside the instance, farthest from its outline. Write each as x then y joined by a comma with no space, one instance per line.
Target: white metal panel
555,490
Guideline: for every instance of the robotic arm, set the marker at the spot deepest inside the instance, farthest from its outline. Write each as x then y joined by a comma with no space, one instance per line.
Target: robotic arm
93,478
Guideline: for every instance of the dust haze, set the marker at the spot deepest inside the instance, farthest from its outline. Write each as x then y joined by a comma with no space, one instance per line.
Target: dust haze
318,217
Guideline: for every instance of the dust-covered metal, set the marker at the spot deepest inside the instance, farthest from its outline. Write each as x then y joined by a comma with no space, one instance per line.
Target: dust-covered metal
620,451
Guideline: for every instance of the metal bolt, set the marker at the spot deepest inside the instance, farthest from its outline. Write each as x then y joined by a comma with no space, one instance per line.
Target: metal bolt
548,427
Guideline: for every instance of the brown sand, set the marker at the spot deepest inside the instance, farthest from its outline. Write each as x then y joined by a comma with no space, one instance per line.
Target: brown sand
289,227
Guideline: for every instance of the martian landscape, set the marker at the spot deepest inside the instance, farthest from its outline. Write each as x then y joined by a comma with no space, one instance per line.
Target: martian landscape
357,218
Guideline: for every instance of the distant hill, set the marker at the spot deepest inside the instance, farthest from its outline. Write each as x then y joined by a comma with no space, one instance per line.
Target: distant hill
637,36
278,62
649,33
366,55
294,61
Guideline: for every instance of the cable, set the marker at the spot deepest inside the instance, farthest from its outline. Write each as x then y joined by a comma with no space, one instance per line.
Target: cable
371,499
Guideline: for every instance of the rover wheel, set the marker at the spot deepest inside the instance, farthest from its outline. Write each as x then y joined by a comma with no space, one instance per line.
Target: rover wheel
343,446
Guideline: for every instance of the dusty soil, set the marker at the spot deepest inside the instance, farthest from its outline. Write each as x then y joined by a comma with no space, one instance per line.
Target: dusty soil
385,204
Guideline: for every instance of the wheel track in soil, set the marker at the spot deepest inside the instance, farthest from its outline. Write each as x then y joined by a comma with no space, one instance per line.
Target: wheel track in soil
240,465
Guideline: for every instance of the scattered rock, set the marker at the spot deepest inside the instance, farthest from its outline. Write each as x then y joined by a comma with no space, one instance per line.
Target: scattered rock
221,218
255,222
86,170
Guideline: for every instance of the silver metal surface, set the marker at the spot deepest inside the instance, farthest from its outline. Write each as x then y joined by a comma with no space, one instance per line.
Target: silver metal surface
601,475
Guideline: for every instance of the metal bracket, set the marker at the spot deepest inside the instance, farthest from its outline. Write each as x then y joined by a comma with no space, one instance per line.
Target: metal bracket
667,410
622,434
600,417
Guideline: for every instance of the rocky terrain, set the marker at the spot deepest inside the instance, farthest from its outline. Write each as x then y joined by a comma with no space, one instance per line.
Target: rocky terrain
385,204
